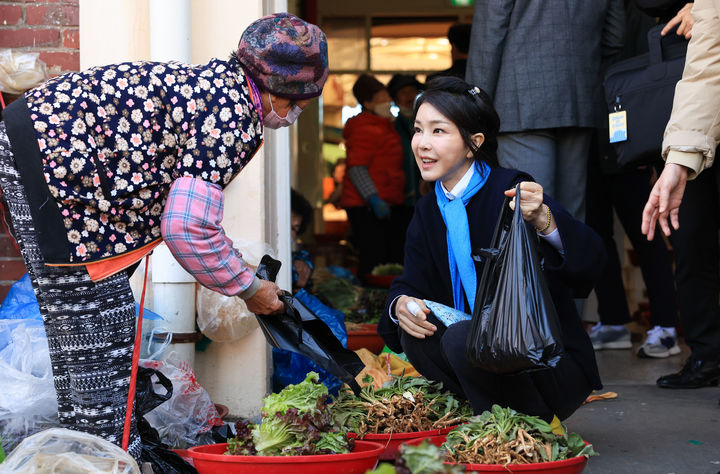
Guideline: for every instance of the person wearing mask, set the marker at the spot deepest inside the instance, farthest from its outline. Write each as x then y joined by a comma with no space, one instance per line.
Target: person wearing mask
455,144
687,192
100,166
459,38
372,190
540,63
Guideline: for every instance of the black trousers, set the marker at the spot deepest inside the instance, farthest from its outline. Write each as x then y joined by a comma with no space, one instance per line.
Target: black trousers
441,357
627,193
378,240
697,269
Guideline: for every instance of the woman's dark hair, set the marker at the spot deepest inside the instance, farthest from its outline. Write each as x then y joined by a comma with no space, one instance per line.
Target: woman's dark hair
300,206
469,108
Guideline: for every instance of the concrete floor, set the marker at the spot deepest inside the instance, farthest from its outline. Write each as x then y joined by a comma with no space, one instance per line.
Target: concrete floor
648,429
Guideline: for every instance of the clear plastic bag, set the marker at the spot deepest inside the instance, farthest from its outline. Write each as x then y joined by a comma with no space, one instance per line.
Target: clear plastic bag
188,416
20,71
63,451
226,318
28,401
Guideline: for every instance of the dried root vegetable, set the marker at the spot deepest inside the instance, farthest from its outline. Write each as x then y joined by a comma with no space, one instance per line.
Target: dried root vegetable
404,404
503,436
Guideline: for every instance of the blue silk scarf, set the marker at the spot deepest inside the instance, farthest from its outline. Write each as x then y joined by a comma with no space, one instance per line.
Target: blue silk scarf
462,267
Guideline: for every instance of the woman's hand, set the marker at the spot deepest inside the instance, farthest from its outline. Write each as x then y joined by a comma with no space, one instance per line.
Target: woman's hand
532,207
416,324
684,19
265,300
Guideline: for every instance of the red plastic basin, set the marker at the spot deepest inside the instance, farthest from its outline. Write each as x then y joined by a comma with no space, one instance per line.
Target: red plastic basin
392,441
209,459
568,466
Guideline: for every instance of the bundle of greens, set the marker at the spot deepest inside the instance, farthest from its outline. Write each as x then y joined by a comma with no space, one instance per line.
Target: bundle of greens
386,269
338,293
369,306
404,404
426,458
295,421
504,436
360,305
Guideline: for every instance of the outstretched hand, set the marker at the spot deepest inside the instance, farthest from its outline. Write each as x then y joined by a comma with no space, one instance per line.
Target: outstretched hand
664,201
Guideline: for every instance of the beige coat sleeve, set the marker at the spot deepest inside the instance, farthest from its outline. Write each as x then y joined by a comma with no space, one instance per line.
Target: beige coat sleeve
693,131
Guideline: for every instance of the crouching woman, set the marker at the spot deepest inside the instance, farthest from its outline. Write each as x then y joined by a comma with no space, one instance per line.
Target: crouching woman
455,143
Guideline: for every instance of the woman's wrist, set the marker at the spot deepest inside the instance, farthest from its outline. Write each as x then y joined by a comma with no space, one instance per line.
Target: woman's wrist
545,223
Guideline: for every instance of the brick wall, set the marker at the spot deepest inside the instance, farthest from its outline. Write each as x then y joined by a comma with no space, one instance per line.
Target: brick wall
50,28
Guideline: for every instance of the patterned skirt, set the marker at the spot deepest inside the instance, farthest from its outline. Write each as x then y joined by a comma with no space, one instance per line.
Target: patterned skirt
90,326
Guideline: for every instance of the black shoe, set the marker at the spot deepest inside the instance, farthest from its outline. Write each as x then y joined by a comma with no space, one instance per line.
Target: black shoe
695,373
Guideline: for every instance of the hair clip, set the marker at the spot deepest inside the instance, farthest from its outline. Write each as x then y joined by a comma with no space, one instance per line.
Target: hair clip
474,91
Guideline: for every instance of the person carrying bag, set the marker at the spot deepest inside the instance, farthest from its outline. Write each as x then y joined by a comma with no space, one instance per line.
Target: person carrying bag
455,144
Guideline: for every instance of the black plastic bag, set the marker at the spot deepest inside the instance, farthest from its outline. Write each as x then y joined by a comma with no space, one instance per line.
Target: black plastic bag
299,330
154,451
515,327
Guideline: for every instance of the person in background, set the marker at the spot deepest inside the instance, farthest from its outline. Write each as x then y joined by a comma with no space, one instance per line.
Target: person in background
301,216
459,38
689,146
100,166
625,192
403,89
455,146
540,63
338,173
374,182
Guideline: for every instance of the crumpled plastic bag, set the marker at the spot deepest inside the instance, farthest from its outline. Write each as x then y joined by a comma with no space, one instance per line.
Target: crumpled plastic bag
59,450
187,418
226,318
20,302
147,398
28,401
20,71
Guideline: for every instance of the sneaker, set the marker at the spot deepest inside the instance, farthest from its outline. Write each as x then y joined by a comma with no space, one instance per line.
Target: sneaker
660,343
610,337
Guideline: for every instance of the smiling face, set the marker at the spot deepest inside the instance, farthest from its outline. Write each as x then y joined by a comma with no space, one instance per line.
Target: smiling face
440,152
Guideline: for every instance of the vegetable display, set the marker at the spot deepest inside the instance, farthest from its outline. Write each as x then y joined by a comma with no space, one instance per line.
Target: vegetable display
295,421
404,404
504,436
386,269
360,305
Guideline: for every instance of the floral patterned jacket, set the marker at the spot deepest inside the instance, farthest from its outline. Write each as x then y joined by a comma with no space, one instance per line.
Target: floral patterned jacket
113,139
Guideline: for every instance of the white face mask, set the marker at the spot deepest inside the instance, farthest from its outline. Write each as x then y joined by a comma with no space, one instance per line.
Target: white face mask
274,121
383,110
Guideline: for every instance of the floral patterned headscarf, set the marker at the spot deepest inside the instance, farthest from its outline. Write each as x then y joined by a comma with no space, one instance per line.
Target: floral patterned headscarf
285,55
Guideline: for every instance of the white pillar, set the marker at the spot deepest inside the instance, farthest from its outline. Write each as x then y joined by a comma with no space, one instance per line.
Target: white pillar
170,30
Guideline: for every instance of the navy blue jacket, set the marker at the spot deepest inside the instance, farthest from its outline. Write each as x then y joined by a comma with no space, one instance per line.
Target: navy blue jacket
427,275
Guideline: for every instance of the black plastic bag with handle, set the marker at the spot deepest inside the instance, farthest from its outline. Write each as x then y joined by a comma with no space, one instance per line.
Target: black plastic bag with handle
515,327
299,330
154,451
